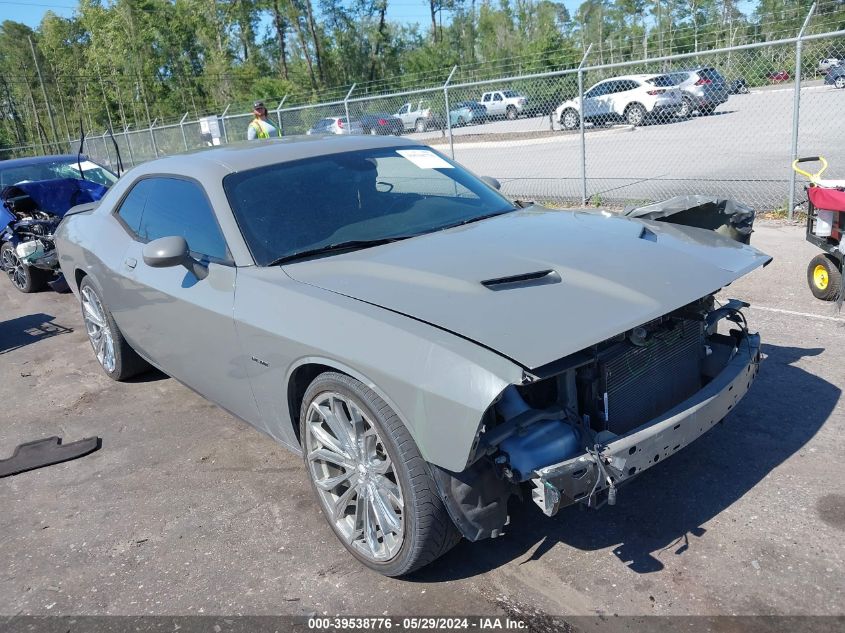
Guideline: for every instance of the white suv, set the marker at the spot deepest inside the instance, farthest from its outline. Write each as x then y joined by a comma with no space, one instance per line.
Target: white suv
632,98
505,103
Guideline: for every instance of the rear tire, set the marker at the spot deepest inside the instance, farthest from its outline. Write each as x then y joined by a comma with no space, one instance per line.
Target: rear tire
511,113
420,125
635,115
366,470
26,279
839,82
115,356
686,109
824,277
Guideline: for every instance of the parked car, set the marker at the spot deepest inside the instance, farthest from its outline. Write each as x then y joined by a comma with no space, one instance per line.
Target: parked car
836,77
372,316
738,87
827,63
381,123
336,125
479,112
35,193
460,116
417,116
778,76
506,103
703,89
632,98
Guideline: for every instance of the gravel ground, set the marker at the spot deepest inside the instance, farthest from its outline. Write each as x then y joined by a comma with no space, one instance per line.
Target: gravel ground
186,510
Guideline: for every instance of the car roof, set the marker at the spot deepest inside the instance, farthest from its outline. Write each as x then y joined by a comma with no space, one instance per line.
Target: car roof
36,160
225,159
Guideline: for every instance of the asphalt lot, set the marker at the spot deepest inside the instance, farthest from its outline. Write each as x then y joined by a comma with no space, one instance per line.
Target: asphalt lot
187,510
742,151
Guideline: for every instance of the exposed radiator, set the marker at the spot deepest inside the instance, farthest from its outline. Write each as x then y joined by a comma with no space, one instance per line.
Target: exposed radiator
643,382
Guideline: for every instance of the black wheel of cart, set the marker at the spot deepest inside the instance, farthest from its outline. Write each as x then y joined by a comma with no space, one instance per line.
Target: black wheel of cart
824,276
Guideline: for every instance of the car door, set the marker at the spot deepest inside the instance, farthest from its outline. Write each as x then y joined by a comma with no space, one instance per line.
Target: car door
621,96
404,115
498,104
182,323
594,107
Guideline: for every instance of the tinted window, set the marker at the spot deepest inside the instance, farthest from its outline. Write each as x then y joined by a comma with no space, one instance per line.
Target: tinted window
712,74
497,97
598,90
133,205
678,78
323,124
363,195
663,81
179,207
510,94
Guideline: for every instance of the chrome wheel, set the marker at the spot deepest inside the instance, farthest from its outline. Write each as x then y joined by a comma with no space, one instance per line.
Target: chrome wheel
569,120
98,329
14,267
354,476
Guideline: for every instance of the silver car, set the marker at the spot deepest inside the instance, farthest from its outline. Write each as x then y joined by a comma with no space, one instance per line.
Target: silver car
429,347
704,89
336,125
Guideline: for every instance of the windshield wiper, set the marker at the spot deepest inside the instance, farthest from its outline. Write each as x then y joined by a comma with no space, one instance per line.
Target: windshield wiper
475,219
349,245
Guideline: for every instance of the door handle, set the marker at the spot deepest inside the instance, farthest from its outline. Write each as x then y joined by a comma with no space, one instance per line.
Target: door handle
130,262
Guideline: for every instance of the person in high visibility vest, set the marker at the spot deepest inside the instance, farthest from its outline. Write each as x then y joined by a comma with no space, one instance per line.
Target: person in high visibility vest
260,127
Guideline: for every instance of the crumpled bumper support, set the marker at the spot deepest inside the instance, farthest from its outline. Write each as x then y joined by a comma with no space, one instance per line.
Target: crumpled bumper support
582,479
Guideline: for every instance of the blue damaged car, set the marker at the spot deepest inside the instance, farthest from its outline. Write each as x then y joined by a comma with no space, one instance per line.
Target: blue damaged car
35,194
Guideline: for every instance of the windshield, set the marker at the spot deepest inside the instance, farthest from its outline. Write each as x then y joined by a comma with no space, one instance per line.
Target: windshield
57,169
367,195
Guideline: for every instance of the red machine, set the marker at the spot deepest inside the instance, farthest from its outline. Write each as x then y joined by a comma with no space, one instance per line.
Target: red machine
825,225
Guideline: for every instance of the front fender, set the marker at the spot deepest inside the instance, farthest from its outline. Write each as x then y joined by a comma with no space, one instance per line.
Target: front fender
438,384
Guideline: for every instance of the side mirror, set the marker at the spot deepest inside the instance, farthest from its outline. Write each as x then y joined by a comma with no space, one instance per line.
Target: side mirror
492,182
166,252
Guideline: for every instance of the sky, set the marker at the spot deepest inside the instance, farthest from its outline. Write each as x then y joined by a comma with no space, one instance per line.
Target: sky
30,12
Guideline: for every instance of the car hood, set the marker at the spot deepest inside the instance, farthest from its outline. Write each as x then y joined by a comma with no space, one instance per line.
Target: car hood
534,284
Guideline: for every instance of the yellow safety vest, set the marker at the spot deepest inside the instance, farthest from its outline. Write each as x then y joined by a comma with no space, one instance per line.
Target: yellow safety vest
260,132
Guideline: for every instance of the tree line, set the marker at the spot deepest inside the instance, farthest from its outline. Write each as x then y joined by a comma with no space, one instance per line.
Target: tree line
118,63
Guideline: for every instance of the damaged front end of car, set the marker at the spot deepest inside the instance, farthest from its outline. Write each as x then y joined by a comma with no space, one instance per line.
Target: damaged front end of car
576,429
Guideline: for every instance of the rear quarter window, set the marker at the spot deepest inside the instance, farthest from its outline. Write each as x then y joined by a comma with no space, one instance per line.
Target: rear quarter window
664,81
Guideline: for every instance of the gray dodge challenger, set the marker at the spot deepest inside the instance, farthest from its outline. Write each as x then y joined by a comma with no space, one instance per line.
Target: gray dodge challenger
429,346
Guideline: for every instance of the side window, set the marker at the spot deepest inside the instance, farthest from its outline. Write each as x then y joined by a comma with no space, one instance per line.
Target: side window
179,207
497,96
631,85
486,97
404,109
598,90
132,208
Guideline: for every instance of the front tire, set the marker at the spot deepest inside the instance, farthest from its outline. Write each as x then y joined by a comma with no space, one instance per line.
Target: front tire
117,358
374,488
686,109
511,113
569,120
824,277
25,278
839,82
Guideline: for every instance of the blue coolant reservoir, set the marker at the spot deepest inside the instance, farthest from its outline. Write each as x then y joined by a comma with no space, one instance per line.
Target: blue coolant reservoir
541,444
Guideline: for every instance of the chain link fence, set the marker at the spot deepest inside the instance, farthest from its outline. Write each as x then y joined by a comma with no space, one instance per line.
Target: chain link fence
726,122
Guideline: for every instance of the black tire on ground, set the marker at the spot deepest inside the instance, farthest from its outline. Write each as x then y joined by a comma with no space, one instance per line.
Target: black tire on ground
743,90
569,119
25,278
635,114
428,531
824,276
686,109
127,363
707,110
839,82
461,121
420,125
511,113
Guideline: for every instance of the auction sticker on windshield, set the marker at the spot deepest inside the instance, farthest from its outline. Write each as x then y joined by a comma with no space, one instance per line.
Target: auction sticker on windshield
424,159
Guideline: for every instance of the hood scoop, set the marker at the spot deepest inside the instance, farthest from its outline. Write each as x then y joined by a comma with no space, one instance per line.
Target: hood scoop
524,280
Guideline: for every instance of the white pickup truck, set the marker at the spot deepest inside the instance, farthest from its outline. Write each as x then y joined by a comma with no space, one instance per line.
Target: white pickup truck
417,117
505,103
